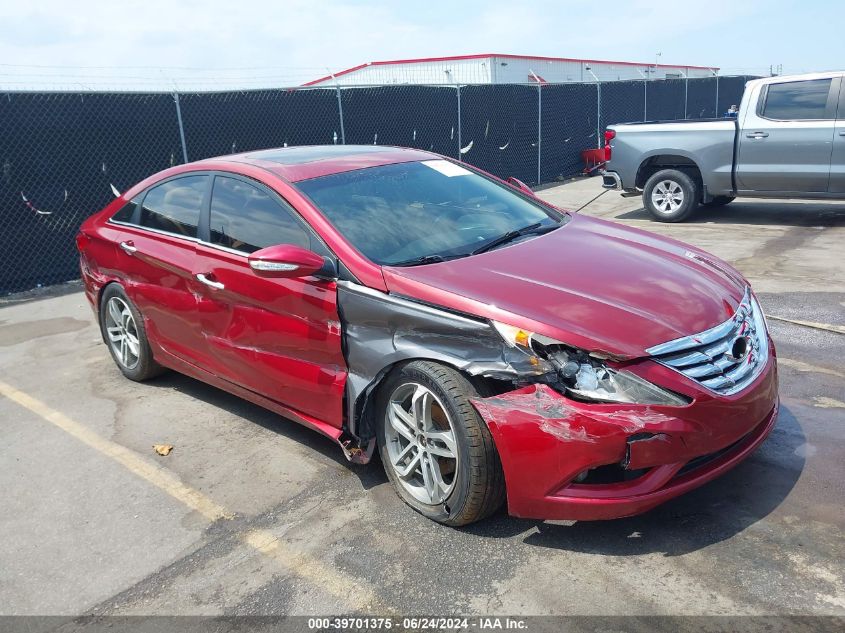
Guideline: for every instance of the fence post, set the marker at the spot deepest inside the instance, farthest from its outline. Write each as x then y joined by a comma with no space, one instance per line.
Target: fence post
598,116
539,128
181,127
340,112
458,88
686,92
717,96
645,99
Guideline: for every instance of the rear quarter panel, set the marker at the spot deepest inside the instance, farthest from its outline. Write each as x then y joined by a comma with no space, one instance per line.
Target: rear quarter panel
708,144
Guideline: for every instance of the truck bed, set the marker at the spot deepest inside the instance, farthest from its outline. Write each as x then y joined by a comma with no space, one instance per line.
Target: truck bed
709,143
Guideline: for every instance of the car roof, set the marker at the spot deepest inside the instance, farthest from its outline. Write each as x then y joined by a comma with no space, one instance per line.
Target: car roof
312,161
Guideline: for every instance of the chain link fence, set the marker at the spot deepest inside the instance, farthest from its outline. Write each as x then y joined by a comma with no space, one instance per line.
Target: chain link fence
64,155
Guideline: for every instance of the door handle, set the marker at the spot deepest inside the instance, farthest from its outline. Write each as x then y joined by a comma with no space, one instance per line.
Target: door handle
209,282
757,134
841,132
128,248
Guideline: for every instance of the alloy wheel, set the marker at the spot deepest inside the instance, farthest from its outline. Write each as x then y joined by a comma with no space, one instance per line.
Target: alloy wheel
122,333
667,196
421,444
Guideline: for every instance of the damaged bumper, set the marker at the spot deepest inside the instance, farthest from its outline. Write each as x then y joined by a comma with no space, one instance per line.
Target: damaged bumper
569,460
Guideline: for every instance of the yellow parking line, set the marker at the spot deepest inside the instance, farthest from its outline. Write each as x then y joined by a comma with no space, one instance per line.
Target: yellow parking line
839,329
155,475
349,589
807,367
352,590
828,403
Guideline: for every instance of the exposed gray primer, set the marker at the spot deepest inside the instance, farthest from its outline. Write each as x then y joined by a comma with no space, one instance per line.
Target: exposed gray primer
380,330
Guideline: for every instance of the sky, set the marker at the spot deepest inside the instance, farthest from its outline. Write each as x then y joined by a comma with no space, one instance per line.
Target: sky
190,45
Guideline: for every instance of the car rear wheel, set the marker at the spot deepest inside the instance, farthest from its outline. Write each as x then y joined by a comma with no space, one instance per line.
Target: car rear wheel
670,195
123,332
437,452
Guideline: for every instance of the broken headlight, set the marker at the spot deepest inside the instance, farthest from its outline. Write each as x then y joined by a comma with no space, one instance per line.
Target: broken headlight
586,377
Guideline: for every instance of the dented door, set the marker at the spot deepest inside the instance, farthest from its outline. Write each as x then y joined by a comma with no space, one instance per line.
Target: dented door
278,337
157,270
156,253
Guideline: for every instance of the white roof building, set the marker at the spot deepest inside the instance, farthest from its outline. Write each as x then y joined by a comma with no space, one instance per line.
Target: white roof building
490,68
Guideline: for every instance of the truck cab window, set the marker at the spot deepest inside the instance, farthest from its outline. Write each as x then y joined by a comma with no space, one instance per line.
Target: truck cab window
797,100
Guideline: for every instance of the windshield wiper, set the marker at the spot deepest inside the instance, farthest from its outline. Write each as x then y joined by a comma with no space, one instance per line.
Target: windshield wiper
425,259
536,228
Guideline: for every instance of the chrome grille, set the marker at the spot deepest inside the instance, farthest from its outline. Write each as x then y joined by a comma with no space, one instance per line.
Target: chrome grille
725,358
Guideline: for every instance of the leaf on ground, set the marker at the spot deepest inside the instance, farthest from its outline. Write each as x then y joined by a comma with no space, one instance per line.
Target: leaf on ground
163,449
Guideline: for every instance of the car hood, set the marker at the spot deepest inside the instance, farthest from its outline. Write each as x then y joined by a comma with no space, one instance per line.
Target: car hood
592,284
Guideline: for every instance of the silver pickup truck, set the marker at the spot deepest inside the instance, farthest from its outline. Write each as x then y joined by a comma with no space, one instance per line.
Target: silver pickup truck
787,141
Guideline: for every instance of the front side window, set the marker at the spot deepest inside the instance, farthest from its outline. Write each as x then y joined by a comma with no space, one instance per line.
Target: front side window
174,206
797,100
416,212
245,218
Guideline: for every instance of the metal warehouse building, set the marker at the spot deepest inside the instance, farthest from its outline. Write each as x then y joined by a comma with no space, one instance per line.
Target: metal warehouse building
492,68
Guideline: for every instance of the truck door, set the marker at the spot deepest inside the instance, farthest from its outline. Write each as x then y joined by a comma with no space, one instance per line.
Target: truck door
786,138
837,160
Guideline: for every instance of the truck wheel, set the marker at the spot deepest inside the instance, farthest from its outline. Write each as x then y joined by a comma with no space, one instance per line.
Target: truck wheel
670,195
719,201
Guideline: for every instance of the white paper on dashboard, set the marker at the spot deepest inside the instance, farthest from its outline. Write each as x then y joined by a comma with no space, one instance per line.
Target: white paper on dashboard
446,168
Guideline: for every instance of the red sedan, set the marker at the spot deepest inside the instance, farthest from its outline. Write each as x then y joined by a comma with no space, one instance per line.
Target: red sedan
489,345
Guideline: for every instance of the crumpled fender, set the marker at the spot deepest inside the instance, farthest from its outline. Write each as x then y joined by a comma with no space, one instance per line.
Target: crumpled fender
381,330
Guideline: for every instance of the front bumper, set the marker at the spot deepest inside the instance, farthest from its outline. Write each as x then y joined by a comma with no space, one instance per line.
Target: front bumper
546,441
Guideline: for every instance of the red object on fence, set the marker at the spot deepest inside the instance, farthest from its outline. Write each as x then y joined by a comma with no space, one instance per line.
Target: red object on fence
593,159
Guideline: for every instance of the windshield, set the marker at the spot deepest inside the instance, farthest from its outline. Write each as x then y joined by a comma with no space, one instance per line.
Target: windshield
422,212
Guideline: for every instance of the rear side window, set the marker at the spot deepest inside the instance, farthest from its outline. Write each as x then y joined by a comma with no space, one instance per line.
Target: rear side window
245,218
175,206
795,100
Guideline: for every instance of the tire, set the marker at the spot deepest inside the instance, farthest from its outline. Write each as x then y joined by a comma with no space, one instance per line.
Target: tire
719,201
123,332
473,485
670,195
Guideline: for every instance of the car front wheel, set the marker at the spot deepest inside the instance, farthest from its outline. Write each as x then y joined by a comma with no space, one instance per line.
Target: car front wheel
670,195
437,452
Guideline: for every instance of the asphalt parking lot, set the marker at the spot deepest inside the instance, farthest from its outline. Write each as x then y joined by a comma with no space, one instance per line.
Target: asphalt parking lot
251,514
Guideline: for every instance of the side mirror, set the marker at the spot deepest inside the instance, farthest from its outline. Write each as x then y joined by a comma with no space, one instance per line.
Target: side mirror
516,183
285,260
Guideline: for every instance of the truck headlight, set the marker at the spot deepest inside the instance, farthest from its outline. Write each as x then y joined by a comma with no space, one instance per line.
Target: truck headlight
586,377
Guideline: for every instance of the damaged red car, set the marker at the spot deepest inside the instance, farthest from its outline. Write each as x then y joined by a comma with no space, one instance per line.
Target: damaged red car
492,348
